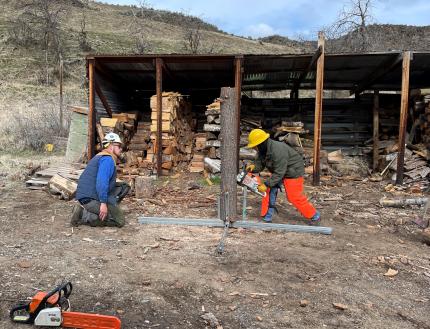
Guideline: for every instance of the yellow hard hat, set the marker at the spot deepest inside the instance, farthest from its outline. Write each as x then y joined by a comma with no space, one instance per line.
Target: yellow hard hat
256,137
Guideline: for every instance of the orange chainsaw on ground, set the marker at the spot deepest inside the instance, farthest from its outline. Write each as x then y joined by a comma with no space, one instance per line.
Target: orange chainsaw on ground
51,310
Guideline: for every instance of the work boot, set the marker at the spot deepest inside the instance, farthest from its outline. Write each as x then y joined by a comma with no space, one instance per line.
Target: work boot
76,219
316,219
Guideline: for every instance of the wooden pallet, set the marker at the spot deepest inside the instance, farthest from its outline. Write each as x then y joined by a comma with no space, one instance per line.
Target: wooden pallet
41,178
37,183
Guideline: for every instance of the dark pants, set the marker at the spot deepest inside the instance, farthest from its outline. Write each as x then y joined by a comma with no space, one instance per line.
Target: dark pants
115,216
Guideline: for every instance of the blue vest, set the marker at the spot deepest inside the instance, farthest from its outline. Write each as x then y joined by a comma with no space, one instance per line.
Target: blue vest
87,182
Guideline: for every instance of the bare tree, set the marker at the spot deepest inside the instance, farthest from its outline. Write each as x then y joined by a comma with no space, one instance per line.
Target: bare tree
194,41
138,29
83,37
351,25
39,25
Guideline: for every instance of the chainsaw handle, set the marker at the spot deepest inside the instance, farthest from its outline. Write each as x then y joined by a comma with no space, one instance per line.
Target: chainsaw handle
24,319
63,290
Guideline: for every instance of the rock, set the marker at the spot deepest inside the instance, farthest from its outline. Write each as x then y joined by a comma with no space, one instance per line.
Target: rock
211,320
259,318
340,306
304,303
234,293
391,272
24,264
404,260
232,307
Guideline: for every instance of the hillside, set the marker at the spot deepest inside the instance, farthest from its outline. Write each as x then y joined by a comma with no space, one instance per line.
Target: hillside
380,37
29,80
108,30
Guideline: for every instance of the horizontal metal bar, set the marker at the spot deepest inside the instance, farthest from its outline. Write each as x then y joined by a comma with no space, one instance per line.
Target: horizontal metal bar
214,222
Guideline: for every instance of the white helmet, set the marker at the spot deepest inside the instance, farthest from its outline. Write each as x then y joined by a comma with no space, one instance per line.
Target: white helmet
111,138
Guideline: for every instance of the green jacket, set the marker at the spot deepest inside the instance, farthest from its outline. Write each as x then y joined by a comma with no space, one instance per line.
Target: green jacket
282,161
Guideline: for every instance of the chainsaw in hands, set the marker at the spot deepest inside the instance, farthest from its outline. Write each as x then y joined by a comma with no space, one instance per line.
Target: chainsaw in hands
250,181
51,310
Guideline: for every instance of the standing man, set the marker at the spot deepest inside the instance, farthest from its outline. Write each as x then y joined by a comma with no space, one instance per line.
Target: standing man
98,193
287,167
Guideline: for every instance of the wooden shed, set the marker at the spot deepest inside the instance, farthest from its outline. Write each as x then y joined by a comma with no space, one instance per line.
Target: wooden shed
125,83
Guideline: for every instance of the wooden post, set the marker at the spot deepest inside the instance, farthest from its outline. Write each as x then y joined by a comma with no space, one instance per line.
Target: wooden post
318,110
61,92
229,152
375,129
91,110
159,142
403,116
238,89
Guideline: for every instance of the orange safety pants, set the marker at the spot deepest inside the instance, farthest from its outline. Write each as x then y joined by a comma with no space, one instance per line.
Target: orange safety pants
294,192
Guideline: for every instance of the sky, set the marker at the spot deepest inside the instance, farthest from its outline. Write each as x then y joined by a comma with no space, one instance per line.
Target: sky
291,18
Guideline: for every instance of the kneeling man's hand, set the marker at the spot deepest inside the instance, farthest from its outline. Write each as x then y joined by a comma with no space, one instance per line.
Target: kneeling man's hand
103,211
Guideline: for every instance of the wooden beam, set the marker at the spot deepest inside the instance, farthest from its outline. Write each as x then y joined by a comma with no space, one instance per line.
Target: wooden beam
61,69
375,129
318,110
238,62
159,88
302,76
91,111
403,116
378,73
229,153
103,99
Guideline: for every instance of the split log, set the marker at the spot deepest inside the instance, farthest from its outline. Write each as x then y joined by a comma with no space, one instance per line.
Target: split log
247,154
213,165
211,127
65,186
108,122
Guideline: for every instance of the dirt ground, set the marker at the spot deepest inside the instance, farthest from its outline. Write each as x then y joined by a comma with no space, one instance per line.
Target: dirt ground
169,276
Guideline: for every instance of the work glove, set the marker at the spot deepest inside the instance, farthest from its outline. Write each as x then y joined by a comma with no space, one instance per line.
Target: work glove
250,168
262,188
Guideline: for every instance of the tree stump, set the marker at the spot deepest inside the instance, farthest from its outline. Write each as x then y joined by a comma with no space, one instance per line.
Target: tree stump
144,187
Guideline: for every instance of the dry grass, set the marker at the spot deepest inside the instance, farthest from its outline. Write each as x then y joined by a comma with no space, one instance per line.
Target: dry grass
29,116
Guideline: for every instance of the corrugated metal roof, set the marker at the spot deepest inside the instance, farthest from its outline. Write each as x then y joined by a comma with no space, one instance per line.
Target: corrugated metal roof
342,71
188,73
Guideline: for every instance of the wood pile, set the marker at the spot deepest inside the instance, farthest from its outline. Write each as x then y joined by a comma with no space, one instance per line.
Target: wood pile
416,167
424,122
59,182
213,129
135,158
286,127
213,142
177,131
199,153
123,124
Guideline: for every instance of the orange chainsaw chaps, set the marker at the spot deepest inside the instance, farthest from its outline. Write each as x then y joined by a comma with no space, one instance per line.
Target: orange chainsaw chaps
89,321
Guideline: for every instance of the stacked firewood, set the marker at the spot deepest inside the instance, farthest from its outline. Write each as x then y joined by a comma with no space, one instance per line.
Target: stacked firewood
213,142
199,153
425,123
122,124
134,159
213,129
177,126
